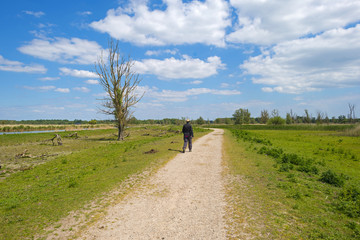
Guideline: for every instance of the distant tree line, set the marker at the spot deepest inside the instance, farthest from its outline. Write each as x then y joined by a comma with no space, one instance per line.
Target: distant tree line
240,116
243,116
169,121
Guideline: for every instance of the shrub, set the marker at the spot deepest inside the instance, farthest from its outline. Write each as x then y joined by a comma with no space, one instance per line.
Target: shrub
285,167
348,201
273,152
308,169
292,158
276,121
332,178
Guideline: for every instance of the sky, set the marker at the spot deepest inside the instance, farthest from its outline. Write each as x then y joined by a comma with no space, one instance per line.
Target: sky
196,59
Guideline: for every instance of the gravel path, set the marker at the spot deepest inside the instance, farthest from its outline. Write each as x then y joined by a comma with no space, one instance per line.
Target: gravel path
184,200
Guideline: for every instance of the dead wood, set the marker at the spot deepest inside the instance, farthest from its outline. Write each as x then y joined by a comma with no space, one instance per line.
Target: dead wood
151,151
24,154
75,134
58,140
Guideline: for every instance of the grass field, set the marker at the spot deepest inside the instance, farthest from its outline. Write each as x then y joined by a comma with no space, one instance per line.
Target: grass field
44,185
294,184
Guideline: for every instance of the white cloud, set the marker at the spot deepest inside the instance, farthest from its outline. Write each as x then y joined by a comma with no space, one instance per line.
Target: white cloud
62,90
77,73
268,22
82,89
180,23
225,85
187,67
49,78
15,66
63,50
267,89
182,96
85,13
92,82
35,14
196,82
159,52
327,60
40,88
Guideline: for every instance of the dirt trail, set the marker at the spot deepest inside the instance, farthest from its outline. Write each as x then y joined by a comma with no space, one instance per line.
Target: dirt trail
184,200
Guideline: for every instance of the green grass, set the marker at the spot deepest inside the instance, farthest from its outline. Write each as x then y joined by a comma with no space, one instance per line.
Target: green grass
31,200
299,184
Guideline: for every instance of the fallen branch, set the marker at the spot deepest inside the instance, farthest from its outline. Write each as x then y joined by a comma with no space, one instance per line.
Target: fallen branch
58,139
73,135
24,154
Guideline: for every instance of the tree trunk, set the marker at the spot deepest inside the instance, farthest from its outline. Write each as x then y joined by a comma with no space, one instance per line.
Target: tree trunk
121,130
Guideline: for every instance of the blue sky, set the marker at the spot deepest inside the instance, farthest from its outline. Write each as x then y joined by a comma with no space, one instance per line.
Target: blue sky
196,58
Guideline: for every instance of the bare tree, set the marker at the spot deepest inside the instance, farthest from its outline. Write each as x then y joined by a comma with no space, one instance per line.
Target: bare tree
307,118
120,82
320,117
351,112
264,116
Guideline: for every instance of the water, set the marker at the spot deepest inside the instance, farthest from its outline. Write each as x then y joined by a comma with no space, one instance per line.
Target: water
43,131
47,131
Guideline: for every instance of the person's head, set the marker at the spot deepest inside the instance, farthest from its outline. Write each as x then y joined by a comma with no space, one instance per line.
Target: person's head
187,120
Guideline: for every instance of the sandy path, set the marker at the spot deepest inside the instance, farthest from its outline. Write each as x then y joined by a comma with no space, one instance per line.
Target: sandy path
183,200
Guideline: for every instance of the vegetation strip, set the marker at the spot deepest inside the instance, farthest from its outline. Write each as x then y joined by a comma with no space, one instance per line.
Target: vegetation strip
304,183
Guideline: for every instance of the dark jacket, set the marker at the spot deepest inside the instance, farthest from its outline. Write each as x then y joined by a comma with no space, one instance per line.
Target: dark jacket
188,130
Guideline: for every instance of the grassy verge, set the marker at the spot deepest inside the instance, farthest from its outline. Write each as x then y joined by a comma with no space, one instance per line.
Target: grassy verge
31,200
290,184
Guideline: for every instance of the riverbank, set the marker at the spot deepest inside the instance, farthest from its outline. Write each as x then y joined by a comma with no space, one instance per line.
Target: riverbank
31,128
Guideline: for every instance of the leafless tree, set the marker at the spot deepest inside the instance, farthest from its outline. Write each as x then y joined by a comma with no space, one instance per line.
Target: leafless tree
264,116
120,82
351,112
307,117
320,117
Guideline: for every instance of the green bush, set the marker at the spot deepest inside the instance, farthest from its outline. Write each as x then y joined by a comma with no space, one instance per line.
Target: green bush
332,178
273,152
308,169
292,158
348,201
276,121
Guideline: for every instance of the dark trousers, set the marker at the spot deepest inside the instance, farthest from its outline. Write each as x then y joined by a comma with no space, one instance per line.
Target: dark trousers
187,139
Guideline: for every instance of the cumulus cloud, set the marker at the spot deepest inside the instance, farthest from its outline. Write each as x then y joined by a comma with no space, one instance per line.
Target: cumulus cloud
15,66
270,22
187,67
82,89
179,23
327,60
92,82
63,50
77,73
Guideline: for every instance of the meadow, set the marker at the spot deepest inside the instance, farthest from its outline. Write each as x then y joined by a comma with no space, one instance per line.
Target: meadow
295,182
285,182
44,184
